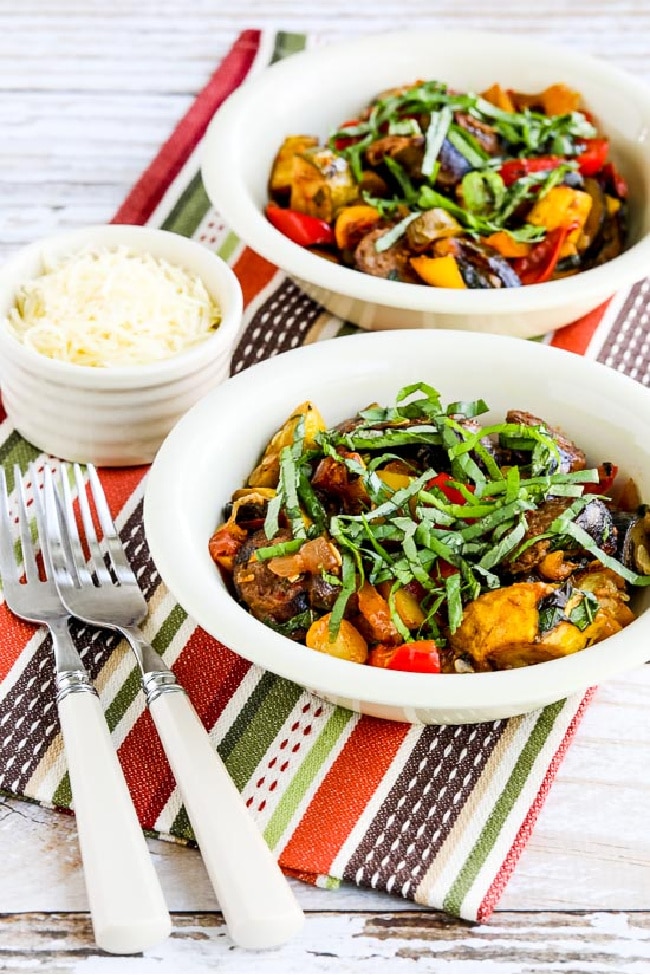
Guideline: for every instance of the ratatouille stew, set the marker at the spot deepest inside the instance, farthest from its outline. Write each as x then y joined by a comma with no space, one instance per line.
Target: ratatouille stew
432,186
418,538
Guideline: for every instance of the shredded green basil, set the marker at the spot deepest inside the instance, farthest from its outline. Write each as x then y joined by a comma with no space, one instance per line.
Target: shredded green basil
456,536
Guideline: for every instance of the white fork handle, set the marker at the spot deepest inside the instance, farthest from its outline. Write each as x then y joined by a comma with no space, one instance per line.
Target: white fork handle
126,901
256,900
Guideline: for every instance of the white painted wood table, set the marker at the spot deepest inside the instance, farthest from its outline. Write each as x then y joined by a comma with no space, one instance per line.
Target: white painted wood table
89,90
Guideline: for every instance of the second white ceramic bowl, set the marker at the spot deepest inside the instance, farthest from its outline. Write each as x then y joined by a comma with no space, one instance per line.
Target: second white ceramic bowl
114,416
313,92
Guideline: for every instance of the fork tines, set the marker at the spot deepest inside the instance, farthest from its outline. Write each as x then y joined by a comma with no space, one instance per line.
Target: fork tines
9,560
106,568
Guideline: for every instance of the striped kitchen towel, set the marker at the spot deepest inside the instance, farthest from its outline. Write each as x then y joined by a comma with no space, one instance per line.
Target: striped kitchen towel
438,815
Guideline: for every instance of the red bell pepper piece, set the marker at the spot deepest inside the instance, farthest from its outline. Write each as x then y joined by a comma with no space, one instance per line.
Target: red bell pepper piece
444,482
514,169
542,260
590,161
343,141
301,228
606,476
592,158
419,657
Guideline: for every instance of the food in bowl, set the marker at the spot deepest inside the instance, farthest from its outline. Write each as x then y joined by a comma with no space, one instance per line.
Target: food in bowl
429,185
315,90
416,538
106,307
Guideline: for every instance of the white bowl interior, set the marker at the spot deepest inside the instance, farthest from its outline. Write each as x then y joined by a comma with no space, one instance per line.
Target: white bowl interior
215,446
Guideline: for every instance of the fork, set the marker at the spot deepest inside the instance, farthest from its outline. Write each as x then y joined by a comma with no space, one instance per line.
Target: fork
126,902
258,905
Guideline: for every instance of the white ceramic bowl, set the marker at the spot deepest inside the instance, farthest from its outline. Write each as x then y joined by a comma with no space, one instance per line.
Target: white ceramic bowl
313,92
214,448
112,416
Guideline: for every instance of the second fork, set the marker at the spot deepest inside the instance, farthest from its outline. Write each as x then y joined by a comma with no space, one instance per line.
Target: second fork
256,900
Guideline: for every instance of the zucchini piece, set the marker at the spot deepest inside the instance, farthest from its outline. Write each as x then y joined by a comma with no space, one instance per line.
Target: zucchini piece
321,183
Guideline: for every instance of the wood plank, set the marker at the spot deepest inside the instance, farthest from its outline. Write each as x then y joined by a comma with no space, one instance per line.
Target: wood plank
363,943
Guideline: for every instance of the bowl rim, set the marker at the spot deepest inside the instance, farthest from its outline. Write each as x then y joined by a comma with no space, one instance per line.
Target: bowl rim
139,237
225,185
236,628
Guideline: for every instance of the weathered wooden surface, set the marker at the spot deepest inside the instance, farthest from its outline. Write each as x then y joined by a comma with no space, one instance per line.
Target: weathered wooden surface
353,942
88,91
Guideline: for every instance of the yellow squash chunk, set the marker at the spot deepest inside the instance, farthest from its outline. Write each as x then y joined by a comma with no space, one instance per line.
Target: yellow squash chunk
267,472
501,627
440,272
282,169
560,207
321,184
406,604
348,644
408,609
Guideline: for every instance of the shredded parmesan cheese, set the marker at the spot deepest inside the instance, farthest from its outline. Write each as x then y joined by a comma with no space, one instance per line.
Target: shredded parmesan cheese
112,307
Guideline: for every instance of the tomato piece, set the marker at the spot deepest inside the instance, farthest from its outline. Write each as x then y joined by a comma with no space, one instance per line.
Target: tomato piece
444,482
445,569
543,257
342,142
376,613
514,169
225,543
419,657
606,476
592,158
301,228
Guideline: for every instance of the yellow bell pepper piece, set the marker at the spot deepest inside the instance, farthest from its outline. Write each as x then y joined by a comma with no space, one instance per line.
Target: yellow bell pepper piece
563,207
394,480
560,100
498,96
353,223
439,272
506,245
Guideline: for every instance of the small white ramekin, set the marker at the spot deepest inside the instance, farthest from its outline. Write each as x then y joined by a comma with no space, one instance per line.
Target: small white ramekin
115,416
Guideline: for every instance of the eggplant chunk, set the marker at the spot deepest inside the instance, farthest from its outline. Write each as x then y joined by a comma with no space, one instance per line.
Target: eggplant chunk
393,263
633,543
429,227
595,518
408,151
453,165
572,458
483,267
501,629
486,136
269,597
273,597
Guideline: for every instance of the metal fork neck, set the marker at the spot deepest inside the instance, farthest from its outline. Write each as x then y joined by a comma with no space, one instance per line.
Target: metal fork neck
71,678
157,678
